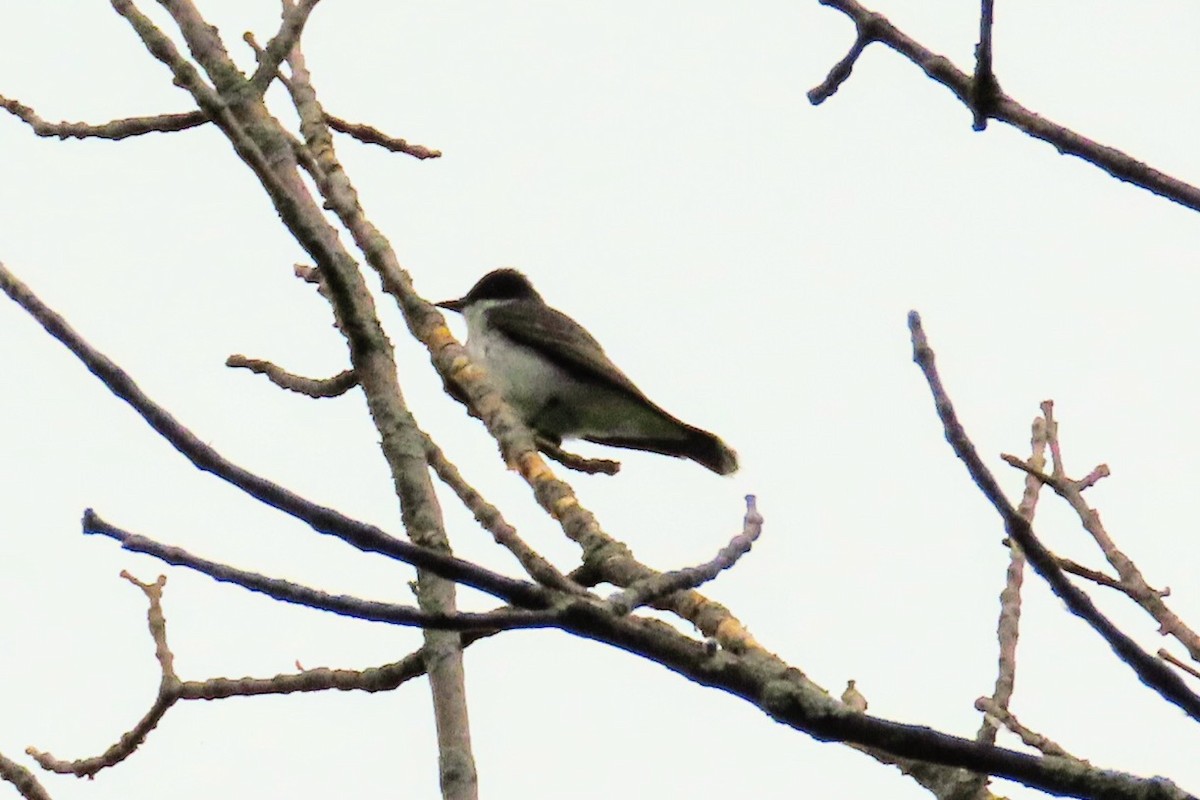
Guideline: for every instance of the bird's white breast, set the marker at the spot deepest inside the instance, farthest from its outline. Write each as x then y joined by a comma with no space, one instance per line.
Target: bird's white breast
526,381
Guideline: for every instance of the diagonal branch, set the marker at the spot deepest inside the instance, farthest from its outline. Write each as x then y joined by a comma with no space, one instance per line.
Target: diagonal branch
22,780
1151,671
1034,739
294,593
324,520
370,135
876,28
839,73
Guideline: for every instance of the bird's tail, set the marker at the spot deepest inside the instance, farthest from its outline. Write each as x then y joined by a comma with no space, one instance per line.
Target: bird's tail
709,451
698,445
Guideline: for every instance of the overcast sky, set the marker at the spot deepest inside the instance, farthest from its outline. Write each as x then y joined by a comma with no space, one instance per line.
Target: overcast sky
746,258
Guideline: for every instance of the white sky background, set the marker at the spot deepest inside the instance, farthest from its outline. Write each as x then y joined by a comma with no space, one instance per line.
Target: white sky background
749,260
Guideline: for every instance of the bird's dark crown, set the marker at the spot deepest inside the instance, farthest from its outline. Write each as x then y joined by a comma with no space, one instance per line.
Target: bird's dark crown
502,284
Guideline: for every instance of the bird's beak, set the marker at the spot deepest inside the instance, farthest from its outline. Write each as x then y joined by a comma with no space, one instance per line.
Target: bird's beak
453,305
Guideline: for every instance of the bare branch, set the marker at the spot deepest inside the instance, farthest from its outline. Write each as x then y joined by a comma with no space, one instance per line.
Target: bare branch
939,68
115,130
172,690
1008,627
1036,740
364,133
651,588
336,386
294,18
591,466
1165,655
1131,581
1093,477
294,593
840,72
1075,568
1151,671
343,605
383,678
168,695
22,780
369,135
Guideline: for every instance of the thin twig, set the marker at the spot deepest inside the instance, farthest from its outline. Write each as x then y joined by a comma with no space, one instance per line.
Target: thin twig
343,605
591,466
361,131
494,523
1165,655
383,678
840,72
649,589
115,130
370,135
1075,568
336,386
1151,671
1035,740
270,57
168,695
1008,626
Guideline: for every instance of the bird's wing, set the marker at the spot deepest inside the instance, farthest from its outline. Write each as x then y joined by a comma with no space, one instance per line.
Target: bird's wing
560,339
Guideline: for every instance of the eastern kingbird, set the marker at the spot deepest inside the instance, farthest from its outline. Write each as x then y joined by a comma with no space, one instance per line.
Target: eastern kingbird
558,379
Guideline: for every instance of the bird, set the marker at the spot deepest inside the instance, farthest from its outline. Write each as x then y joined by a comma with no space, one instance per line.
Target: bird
557,378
